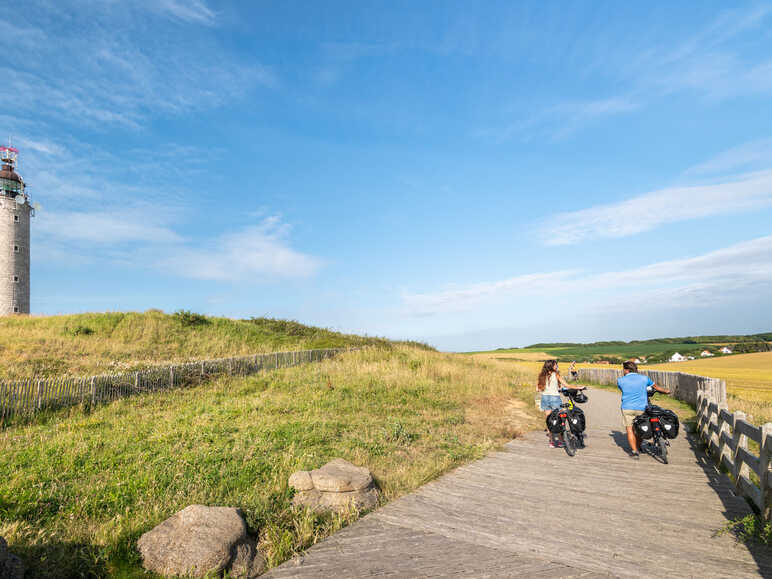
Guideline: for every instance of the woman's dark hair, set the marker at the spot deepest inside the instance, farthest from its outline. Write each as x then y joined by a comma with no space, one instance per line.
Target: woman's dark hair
549,367
630,366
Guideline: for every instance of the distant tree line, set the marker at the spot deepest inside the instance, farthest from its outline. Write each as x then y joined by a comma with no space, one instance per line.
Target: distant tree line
750,338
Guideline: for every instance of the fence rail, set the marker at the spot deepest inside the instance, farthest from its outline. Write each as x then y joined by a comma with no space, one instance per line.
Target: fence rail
727,435
26,397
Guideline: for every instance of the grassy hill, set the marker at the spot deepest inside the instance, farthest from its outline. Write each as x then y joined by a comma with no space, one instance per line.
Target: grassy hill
656,350
97,343
77,489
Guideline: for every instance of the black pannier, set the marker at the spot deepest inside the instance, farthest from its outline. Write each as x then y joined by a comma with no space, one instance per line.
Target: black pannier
576,420
669,423
642,426
554,423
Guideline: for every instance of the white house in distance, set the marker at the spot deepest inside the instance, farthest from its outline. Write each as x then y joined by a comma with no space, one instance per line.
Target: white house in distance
726,350
706,353
677,358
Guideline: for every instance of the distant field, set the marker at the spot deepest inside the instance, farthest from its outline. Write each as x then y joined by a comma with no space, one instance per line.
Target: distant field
748,379
657,350
596,352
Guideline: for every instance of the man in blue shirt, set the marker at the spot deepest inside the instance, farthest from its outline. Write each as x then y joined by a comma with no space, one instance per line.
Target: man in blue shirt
634,400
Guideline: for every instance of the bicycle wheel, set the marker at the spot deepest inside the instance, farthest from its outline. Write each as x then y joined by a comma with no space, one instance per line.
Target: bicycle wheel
570,441
662,444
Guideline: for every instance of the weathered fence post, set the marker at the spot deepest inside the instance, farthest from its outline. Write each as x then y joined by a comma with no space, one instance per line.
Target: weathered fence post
723,432
740,441
39,401
136,381
93,391
764,478
171,377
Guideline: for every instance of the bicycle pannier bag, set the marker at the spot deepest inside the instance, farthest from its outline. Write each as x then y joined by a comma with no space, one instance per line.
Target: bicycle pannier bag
576,420
642,426
554,424
669,423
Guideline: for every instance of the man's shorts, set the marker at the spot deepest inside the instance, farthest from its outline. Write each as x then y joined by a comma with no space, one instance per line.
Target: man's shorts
549,402
629,415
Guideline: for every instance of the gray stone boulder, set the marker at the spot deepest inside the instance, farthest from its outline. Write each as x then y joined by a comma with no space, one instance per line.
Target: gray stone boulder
201,540
11,566
337,486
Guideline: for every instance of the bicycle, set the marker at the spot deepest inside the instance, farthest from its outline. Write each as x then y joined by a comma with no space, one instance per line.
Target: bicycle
652,419
571,440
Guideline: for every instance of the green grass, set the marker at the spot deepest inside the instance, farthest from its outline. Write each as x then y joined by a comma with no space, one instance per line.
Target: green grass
84,344
751,529
78,489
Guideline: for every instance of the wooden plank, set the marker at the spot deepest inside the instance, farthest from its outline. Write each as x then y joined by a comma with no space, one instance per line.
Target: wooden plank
747,429
750,490
748,458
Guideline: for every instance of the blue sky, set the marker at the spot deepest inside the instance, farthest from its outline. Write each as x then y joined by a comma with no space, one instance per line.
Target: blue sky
473,176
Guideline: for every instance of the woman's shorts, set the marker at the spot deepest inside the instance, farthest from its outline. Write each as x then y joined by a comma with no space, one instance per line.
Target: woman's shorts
549,402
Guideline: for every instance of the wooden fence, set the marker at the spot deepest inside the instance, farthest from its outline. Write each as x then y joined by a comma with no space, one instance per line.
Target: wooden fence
726,435
25,397
683,386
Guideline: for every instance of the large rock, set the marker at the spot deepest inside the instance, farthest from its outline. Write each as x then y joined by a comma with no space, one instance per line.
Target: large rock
201,540
11,566
337,486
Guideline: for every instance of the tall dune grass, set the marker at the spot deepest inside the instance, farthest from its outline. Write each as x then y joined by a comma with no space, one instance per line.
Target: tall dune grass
85,344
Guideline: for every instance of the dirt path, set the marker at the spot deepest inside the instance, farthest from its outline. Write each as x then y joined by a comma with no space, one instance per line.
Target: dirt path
533,511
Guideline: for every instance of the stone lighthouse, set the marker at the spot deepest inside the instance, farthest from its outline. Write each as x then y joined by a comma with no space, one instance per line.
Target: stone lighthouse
15,214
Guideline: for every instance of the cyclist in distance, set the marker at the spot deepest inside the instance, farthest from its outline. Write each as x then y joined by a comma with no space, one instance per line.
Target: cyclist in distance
634,400
549,384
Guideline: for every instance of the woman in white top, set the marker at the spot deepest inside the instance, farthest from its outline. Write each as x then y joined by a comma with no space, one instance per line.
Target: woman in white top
549,384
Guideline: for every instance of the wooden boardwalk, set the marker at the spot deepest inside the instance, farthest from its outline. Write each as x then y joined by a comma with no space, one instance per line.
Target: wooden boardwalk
532,511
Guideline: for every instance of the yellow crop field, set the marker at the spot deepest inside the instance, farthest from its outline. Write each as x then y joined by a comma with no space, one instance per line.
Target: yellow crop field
748,380
742,371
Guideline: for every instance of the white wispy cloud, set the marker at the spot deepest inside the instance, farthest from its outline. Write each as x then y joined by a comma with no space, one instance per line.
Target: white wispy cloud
113,65
560,120
670,205
257,253
106,227
467,297
192,11
44,146
694,281
753,155
709,64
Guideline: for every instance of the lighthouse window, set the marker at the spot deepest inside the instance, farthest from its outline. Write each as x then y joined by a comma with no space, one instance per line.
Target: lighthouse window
16,279
16,249
16,218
